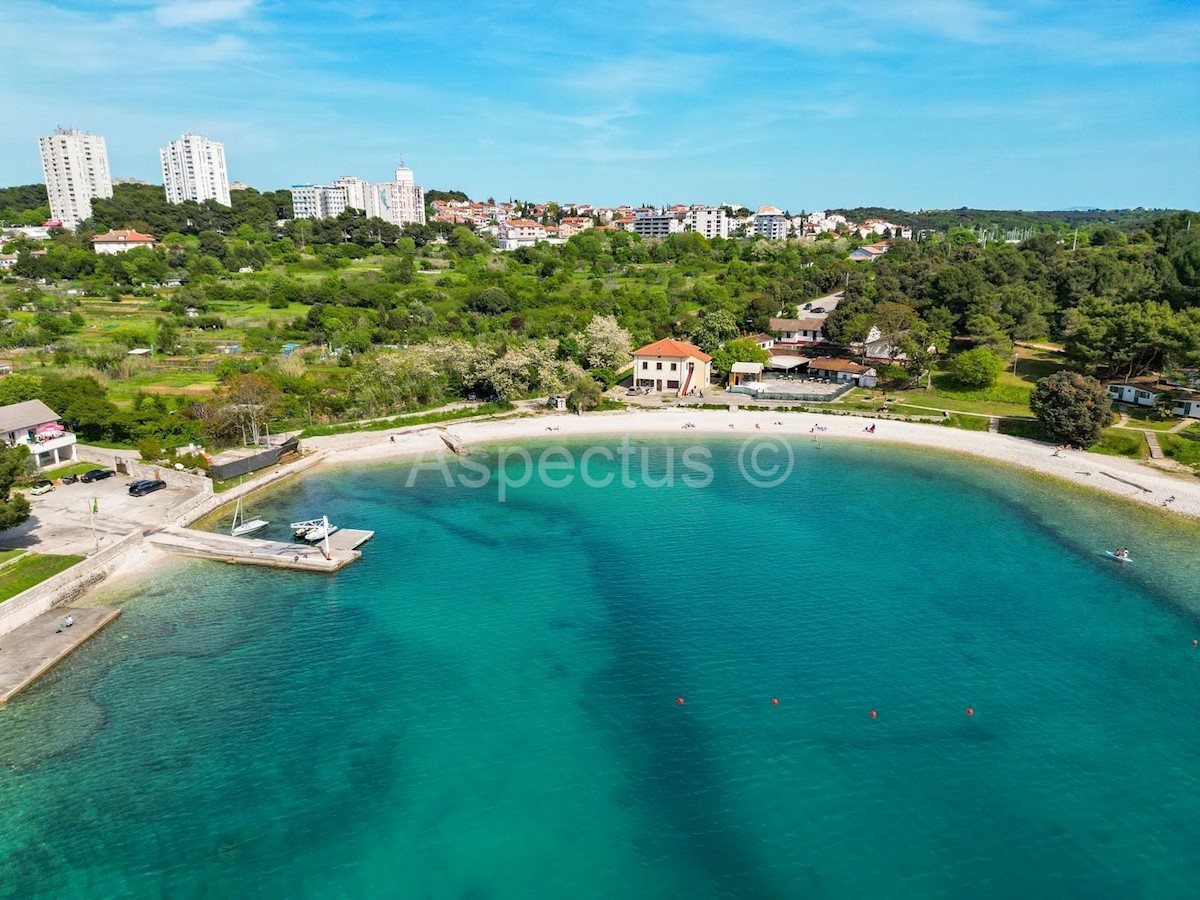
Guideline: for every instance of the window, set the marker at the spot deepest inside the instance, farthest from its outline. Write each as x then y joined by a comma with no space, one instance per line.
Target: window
645,365
673,385
673,366
658,366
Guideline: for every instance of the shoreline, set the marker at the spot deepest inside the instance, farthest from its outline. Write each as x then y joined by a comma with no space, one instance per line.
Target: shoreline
1115,476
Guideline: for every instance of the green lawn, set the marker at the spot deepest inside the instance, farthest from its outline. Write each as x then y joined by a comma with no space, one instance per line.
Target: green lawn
1142,417
1120,442
967,423
1183,447
6,555
34,568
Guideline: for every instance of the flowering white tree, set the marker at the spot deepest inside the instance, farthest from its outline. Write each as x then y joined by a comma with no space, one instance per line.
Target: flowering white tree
605,344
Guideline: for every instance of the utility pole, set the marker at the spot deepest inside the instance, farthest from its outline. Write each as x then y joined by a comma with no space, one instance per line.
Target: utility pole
92,513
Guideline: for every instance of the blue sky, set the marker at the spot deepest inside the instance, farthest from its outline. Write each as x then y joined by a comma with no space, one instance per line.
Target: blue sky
1032,104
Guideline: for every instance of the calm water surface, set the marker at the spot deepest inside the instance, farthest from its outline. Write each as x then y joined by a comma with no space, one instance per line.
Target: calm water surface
485,705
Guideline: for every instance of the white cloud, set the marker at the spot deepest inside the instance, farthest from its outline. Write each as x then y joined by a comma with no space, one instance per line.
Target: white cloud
180,13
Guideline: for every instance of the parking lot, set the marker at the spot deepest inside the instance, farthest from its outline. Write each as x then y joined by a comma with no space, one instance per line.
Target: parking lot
62,519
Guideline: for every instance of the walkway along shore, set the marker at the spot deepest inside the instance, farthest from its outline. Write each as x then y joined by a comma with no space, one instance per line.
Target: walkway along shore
134,555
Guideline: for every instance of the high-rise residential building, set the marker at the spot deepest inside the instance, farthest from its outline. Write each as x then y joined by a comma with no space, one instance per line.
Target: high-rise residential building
772,223
400,202
708,221
193,168
76,167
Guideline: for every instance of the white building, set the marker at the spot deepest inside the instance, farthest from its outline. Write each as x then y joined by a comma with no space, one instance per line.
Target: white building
34,425
400,202
516,233
76,168
193,168
655,223
708,221
672,366
120,241
771,223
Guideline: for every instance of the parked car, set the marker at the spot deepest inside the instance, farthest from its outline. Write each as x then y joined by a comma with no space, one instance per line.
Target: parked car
42,487
97,475
69,479
142,488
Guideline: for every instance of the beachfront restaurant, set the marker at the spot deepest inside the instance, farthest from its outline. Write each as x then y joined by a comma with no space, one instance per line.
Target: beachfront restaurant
34,425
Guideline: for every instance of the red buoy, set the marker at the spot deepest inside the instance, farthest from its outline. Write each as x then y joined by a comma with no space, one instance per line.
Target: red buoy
874,715
970,712
774,701
680,701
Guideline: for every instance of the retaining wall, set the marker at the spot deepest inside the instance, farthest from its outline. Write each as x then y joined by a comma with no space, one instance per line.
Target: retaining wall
137,469
68,585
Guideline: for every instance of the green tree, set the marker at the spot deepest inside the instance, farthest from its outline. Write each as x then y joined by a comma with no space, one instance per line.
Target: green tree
1073,409
14,508
976,368
738,350
584,395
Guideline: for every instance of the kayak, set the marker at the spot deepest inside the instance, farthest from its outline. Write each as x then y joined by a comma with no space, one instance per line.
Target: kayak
1112,555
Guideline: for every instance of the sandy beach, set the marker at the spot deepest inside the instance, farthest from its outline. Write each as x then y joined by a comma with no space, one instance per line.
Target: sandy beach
1122,477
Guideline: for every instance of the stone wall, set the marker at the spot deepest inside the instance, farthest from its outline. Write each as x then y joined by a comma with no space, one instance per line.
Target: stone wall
199,507
70,584
137,469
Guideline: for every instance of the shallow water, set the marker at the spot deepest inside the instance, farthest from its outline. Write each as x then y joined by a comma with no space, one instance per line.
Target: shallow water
486,704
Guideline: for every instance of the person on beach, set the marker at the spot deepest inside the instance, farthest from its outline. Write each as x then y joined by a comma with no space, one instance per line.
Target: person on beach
70,621
393,439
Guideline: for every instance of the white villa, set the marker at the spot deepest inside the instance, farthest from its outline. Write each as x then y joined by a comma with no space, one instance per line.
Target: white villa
119,241
670,365
35,425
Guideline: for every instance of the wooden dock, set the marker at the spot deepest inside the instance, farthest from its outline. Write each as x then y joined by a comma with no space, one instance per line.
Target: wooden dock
343,549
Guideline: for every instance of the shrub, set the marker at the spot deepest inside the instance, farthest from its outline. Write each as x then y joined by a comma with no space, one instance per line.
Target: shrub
975,368
1072,409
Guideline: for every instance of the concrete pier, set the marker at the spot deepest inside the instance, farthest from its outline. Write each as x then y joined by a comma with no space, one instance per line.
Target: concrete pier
30,651
305,557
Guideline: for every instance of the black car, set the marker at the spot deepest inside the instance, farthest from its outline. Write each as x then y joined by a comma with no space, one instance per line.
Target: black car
97,475
142,488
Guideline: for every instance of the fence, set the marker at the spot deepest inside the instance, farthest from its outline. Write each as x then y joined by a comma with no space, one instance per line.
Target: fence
253,463
69,584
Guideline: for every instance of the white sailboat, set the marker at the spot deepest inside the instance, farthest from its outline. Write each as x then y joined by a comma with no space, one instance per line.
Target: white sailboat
241,526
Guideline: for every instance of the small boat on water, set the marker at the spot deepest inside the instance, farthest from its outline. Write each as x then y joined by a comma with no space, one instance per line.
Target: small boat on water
319,533
1118,555
313,529
241,526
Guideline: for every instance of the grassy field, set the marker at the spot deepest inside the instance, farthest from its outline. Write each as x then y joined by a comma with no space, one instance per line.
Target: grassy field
1183,447
1121,442
33,568
7,555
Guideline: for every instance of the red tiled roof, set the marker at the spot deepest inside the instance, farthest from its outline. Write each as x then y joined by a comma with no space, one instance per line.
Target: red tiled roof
672,347
122,237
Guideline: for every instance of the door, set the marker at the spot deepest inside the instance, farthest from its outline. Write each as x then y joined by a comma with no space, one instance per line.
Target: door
658,385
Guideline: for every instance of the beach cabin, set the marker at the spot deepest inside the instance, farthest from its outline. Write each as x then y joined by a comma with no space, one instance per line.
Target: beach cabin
842,371
671,365
1189,409
742,372
34,425
1132,393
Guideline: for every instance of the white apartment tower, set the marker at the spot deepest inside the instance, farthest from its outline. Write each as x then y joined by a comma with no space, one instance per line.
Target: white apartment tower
708,221
399,202
76,167
193,168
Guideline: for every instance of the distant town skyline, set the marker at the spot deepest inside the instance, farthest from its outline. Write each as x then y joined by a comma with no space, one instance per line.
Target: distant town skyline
911,104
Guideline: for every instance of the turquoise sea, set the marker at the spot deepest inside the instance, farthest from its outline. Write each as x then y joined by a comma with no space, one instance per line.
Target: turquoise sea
486,705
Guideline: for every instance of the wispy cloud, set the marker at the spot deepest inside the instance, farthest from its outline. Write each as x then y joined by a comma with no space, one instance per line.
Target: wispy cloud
183,13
